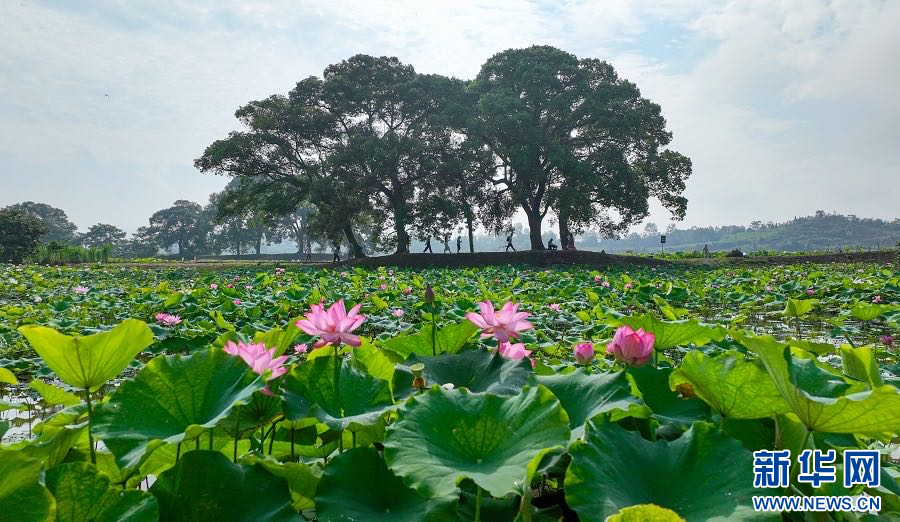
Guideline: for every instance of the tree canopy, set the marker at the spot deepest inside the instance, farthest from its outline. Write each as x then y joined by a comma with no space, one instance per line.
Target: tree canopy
374,145
20,234
56,222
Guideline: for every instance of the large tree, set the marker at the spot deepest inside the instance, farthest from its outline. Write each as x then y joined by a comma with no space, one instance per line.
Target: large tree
367,126
572,137
180,225
20,234
102,234
57,223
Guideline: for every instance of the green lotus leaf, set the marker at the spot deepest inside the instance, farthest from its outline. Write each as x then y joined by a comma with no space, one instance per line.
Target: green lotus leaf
811,346
88,362
702,475
4,427
670,334
205,485
54,395
339,396
83,493
443,436
260,410
475,370
7,377
872,412
860,364
280,338
302,479
869,311
645,513
585,395
798,307
667,406
356,485
731,385
22,497
172,399
374,360
449,339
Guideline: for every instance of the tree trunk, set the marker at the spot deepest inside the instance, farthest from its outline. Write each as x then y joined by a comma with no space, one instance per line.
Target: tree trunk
402,237
258,245
354,244
471,234
564,230
534,226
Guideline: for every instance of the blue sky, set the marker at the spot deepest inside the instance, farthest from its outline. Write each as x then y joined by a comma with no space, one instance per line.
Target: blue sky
785,107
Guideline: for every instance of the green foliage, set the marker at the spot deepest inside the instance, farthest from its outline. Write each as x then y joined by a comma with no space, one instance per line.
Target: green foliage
88,362
357,485
83,493
20,234
674,475
442,437
205,486
172,399
610,439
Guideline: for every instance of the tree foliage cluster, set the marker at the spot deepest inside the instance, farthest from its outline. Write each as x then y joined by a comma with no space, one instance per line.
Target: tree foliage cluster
383,153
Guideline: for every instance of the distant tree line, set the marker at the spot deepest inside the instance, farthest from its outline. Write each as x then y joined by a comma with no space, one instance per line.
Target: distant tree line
822,231
382,154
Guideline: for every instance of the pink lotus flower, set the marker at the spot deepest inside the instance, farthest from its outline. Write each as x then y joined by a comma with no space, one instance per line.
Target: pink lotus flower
605,284
81,290
876,299
334,325
886,340
554,306
343,274
503,325
597,279
235,278
213,286
630,347
407,291
301,348
382,286
768,288
236,302
628,286
398,312
810,291
229,285
584,353
167,319
513,351
248,287
258,358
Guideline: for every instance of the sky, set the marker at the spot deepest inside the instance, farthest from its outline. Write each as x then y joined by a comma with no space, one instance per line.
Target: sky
784,107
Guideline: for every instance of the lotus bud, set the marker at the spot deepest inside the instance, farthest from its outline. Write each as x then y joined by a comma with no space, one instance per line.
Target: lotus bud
429,294
584,353
886,340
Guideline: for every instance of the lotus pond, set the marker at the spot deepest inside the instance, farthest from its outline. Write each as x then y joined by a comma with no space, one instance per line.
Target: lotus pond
507,393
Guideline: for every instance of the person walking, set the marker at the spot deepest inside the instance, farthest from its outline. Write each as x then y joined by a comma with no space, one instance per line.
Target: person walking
428,246
705,251
336,246
447,244
570,242
509,243
458,244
